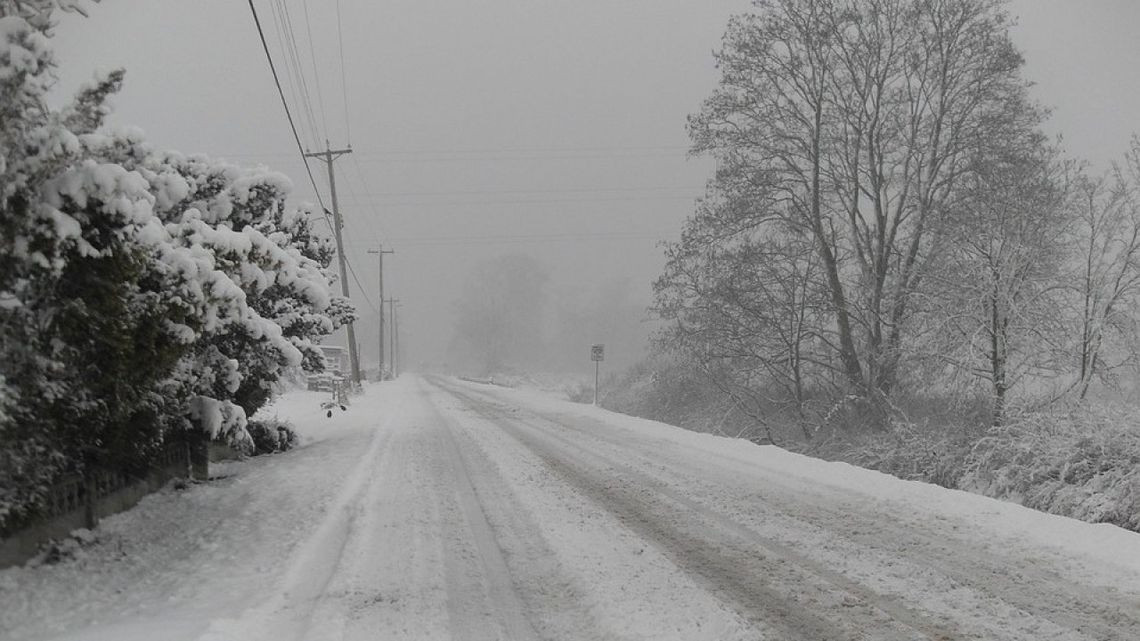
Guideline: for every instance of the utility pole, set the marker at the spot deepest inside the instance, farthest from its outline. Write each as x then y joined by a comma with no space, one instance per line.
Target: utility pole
328,156
380,254
392,334
396,358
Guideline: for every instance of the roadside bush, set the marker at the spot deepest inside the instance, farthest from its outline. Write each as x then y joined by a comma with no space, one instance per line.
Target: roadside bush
932,454
271,435
65,549
662,388
580,393
143,294
1083,462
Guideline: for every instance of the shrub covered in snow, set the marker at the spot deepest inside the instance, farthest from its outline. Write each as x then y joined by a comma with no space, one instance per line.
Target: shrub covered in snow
65,549
143,294
271,435
1082,462
929,453
580,392
664,388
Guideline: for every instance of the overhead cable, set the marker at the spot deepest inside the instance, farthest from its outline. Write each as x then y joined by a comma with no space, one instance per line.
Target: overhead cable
285,104
343,80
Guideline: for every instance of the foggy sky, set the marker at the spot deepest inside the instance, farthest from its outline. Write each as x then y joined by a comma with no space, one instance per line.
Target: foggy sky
479,128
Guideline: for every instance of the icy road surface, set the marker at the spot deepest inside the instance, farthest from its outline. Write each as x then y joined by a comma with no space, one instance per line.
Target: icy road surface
435,509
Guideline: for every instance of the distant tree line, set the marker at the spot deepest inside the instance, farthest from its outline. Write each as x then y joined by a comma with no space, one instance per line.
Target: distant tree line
888,224
510,319
144,294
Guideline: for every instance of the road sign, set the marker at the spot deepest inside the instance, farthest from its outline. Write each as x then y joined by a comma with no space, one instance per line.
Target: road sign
598,353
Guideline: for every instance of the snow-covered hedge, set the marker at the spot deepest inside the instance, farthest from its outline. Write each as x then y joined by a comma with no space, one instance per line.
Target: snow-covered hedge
143,294
1083,463
918,453
1080,461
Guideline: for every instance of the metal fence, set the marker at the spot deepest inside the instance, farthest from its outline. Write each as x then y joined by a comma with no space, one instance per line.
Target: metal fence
78,501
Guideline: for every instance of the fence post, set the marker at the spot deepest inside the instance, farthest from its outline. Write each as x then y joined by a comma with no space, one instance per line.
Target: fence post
89,498
199,457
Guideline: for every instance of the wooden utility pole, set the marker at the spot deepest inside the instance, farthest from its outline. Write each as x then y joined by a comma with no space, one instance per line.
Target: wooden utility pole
392,333
380,254
328,156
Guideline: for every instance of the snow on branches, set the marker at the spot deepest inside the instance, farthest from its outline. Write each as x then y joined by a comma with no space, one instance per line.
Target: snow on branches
142,293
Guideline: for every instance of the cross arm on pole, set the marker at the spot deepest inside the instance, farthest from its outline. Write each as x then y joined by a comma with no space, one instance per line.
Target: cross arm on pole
328,155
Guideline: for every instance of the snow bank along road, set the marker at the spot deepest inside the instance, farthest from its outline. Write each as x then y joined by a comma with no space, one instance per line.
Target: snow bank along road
435,509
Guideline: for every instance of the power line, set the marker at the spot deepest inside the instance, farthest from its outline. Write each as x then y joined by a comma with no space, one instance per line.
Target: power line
300,147
371,205
491,152
360,287
497,150
279,28
343,81
316,75
518,238
504,192
368,220
285,104
299,71
534,201
517,157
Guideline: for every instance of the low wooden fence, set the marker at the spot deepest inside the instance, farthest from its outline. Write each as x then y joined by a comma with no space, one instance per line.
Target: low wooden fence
81,501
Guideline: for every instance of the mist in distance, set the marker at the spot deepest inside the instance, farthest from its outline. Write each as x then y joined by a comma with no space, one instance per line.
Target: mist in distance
488,130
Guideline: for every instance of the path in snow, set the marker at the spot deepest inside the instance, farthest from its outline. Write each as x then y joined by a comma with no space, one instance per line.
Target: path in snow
436,509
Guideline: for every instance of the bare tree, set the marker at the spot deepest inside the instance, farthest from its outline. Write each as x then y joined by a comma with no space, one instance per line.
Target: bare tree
1002,282
1107,283
747,308
767,123
856,124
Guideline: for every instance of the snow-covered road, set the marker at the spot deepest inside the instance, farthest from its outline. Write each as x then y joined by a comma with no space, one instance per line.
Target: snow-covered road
435,509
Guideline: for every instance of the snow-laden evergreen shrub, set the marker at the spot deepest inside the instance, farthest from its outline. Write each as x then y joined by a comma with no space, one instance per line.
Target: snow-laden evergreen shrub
271,435
1082,462
144,295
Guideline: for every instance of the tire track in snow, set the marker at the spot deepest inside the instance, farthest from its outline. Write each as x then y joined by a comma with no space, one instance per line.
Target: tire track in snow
391,584
287,614
583,573
1092,611
775,585
446,550
469,617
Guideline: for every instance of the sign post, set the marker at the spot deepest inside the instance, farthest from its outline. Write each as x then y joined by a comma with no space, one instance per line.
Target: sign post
597,354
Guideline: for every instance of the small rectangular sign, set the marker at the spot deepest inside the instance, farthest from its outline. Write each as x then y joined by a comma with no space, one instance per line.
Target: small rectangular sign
598,353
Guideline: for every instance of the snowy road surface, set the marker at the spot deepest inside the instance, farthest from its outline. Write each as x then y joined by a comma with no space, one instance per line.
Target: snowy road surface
435,509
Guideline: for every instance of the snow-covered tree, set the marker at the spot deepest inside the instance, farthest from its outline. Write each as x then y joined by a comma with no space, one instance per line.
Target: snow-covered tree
847,135
856,123
993,310
142,293
743,305
1106,278
270,252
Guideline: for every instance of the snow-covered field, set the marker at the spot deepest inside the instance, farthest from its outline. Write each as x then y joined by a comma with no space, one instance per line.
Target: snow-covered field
436,509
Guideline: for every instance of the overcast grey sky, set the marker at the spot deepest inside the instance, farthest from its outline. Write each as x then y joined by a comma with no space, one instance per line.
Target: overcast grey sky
553,128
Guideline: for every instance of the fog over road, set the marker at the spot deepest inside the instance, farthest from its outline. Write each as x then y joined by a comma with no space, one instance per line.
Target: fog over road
441,509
